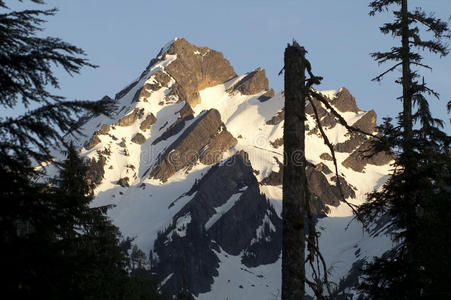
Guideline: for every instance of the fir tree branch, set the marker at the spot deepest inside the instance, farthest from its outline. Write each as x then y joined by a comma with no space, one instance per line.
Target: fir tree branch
380,76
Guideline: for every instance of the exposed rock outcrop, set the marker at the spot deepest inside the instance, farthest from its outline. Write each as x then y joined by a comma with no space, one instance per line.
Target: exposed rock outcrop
130,118
196,68
92,142
279,117
148,121
95,140
266,96
345,101
138,139
160,79
362,156
123,182
355,140
323,168
277,143
321,111
318,184
185,114
212,221
367,122
254,82
348,191
104,129
205,141
274,178
326,156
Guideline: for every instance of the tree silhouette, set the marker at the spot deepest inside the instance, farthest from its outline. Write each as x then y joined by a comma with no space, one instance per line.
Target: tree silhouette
417,195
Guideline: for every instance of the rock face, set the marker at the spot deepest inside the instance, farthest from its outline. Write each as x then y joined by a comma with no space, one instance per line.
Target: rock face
359,158
123,182
148,121
160,79
192,73
185,114
325,192
205,141
130,118
355,140
325,156
266,96
199,200
138,139
210,220
277,143
103,130
92,142
367,123
277,118
345,101
253,83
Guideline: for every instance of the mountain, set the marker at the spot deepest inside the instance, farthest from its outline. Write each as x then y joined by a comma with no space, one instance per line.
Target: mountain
192,161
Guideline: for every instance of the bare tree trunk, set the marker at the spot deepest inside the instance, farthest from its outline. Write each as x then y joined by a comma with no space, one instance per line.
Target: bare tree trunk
293,210
406,81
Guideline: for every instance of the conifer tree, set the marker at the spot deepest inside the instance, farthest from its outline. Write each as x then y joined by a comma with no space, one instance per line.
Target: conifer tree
417,194
26,73
54,245
94,264
45,225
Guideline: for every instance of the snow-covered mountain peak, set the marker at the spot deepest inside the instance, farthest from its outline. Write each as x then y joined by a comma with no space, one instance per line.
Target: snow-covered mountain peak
193,160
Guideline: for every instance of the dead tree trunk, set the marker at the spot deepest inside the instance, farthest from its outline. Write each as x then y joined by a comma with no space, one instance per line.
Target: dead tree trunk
294,178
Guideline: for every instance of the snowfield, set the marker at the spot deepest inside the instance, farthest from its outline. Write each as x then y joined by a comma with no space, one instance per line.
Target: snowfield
148,206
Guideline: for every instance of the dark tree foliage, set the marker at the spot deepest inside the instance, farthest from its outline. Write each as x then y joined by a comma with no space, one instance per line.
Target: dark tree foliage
54,245
417,196
26,73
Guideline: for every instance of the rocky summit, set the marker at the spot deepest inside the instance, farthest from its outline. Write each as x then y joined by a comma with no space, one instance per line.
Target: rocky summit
192,160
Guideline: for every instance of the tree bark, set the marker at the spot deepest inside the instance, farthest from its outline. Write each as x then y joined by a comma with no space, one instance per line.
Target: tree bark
293,209
406,81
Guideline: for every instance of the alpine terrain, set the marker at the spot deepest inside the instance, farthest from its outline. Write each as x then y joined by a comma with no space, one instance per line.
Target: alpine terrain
192,162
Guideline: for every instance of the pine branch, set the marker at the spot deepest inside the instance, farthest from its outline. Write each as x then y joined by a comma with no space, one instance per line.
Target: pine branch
422,65
381,5
380,76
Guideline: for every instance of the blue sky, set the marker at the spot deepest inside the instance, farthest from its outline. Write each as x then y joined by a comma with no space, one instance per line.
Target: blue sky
122,36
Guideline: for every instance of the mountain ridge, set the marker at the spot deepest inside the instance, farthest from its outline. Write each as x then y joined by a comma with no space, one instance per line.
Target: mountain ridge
192,161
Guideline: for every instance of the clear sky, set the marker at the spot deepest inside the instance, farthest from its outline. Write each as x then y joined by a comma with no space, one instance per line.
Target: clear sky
122,36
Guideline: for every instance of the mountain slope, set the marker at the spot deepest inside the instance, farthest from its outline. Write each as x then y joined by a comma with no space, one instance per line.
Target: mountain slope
192,160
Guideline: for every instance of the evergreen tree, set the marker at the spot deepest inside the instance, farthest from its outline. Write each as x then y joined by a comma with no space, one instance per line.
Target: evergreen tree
53,244
26,62
94,264
417,195
137,258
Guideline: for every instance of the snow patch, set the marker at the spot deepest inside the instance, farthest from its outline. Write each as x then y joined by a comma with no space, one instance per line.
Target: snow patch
180,226
260,232
223,209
